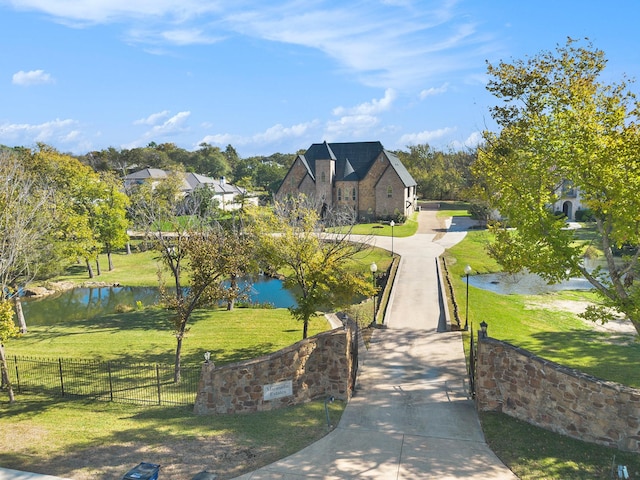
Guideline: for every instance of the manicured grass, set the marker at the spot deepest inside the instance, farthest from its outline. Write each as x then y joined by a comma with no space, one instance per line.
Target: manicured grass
48,429
522,320
531,322
448,208
146,336
536,454
140,269
383,229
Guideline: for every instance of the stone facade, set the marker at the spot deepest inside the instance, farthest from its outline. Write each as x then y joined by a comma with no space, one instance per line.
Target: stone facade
560,399
362,177
317,367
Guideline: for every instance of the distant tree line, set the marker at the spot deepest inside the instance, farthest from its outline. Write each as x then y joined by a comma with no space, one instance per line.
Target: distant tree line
257,173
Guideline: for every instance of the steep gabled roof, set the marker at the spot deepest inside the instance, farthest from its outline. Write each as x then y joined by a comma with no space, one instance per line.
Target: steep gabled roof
400,169
354,160
146,174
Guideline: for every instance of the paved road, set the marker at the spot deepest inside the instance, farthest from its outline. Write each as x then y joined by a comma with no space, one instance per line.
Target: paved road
411,416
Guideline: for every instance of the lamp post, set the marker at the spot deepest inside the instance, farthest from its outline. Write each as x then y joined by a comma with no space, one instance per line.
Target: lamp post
467,271
483,329
374,268
393,224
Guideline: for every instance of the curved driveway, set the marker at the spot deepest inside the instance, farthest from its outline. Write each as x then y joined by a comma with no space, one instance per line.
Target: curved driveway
411,416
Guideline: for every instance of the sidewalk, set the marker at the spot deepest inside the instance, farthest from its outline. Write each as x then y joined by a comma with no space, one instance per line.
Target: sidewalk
411,416
6,474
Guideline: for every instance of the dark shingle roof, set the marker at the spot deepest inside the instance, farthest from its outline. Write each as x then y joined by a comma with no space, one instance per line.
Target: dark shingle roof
354,159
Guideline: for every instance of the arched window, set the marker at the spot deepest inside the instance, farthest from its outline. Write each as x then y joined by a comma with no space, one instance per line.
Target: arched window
389,191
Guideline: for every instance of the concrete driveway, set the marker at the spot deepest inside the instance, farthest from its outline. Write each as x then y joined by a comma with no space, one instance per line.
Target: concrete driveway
411,416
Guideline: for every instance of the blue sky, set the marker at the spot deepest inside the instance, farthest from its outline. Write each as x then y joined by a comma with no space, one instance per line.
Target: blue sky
277,76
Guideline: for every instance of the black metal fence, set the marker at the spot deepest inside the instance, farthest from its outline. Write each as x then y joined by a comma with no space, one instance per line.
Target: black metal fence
141,384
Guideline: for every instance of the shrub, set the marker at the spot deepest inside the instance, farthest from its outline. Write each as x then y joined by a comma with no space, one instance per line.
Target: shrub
585,215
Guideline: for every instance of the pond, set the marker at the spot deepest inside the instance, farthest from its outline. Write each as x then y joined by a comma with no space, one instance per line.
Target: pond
523,283
84,303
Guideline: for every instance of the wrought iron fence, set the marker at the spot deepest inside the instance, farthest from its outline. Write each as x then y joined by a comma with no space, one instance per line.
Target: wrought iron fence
141,384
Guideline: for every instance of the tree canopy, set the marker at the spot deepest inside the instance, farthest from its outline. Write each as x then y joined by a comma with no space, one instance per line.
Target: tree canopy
560,123
316,267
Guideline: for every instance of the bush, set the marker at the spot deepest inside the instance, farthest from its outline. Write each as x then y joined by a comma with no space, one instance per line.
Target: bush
585,215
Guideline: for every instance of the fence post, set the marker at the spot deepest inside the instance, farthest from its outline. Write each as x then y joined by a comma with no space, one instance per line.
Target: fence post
110,381
158,379
15,362
61,377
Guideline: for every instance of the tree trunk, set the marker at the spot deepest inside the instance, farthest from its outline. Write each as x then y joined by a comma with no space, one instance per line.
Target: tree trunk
109,259
128,248
6,382
305,328
176,372
89,269
232,288
98,270
19,313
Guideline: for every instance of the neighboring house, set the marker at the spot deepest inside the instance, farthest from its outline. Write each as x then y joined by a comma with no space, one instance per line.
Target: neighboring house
569,200
153,175
360,176
228,197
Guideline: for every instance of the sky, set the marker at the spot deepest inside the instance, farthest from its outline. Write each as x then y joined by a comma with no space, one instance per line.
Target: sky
278,76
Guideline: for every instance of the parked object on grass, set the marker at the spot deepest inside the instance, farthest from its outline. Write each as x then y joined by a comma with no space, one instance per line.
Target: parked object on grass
143,471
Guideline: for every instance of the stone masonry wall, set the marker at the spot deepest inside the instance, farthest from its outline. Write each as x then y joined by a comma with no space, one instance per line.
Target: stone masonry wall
317,367
560,399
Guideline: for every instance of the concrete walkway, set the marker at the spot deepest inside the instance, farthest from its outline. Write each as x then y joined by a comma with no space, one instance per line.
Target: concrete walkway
411,416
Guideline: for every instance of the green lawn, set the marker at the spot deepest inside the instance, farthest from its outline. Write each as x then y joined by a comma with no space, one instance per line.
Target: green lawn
383,229
531,322
146,336
533,453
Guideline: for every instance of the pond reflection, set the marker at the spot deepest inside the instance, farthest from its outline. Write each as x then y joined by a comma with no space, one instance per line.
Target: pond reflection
86,303
524,283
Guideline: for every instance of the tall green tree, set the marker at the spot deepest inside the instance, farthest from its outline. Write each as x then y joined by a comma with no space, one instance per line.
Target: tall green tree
316,267
27,227
560,123
110,210
8,330
440,175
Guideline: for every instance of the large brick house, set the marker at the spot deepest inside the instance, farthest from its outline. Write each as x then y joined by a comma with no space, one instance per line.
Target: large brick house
361,176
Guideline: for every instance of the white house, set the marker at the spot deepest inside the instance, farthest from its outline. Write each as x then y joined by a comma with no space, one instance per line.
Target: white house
228,196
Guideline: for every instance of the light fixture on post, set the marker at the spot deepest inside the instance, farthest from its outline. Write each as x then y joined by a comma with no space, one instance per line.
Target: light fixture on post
483,329
467,271
374,268
393,224
207,357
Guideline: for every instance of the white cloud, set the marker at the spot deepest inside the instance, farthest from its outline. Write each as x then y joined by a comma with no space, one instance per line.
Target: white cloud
427,136
383,44
472,141
32,77
153,119
351,127
271,135
161,128
429,92
174,124
369,108
105,11
388,43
